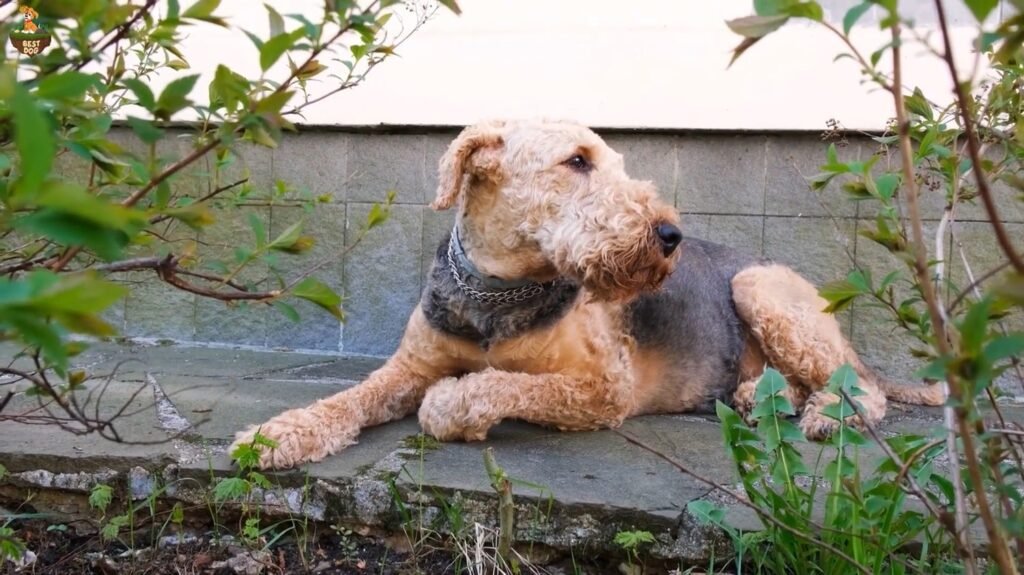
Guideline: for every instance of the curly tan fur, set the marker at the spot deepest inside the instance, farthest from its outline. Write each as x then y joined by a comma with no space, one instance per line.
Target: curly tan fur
526,212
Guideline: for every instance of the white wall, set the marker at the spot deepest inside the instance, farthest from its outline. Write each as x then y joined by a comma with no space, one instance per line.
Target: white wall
645,63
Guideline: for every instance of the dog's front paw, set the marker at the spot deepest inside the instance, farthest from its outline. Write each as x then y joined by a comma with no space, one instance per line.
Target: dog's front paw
449,412
299,436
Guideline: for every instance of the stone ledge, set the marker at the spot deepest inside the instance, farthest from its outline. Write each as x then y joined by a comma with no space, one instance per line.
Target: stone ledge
573,490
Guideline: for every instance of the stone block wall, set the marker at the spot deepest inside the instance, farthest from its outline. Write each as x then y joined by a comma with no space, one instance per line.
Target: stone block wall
746,190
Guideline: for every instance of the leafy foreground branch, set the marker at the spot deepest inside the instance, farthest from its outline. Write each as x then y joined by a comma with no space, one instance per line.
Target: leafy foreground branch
80,207
970,471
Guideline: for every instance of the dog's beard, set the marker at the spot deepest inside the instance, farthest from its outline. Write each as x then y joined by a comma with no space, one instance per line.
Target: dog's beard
621,271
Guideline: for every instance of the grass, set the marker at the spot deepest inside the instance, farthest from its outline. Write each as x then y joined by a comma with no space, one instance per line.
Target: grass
21,35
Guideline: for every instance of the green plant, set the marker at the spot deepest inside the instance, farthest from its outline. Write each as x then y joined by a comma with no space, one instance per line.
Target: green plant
872,520
835,519
632,541
11,547
80,206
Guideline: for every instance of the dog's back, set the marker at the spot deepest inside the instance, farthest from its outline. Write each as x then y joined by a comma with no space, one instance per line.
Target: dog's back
692,320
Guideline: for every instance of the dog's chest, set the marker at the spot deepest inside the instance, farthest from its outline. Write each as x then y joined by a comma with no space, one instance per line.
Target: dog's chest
579,344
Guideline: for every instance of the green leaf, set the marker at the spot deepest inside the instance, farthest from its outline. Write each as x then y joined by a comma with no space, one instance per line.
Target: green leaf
177,513
451,5
113,527
917,104
229,88
273,49
66,86
231,488
288,311
71,230
258,230
145,130
1004,347
79,294
707,512
771,383
886,185
143,94
34,139
101,496
809,10
843,378
75,200
273,103
201,10
174,98
839,294
276,21
291,240
981,8
756,26
377,216
195,216
769,7
854,14
313,290
975,325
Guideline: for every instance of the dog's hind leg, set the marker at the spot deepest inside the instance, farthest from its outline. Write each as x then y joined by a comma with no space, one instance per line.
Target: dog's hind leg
785,314
331,424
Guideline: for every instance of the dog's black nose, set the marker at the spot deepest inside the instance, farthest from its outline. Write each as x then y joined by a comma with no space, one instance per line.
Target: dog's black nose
670,237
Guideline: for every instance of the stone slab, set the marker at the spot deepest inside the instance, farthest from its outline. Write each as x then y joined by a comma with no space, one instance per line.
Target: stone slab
586,468
790,163
317,329
219,407
313,164
721,175
377,166
195,361
655,159
382,279
27,447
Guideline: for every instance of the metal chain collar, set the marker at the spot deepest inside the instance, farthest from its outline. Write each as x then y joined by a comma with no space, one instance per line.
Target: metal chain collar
499,298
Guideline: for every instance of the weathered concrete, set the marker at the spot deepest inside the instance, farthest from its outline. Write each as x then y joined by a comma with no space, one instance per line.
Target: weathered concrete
573,490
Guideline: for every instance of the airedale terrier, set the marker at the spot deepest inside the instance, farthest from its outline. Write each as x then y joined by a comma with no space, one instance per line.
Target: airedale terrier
567,296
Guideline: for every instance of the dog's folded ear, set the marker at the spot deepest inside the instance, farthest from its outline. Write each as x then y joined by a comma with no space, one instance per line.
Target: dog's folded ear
477,152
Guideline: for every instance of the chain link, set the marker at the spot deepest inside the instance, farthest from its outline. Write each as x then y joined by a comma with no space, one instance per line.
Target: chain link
503,297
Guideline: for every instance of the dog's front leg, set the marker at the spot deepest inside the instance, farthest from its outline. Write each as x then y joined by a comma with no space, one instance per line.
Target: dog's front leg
465,408
331,424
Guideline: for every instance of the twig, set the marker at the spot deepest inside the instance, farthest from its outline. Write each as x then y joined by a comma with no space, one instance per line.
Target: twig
928,292
216,192
942,516
122,31
974,147
975,284
768,518
997,543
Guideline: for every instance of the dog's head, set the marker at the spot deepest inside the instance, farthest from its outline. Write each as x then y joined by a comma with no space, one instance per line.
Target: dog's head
562,200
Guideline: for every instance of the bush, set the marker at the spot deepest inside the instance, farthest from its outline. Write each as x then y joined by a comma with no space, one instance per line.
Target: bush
913,512
77,206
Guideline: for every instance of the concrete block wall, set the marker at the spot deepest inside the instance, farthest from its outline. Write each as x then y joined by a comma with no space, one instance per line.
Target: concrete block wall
746,190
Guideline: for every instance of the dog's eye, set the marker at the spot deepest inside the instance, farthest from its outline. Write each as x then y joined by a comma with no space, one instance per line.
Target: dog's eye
578,163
